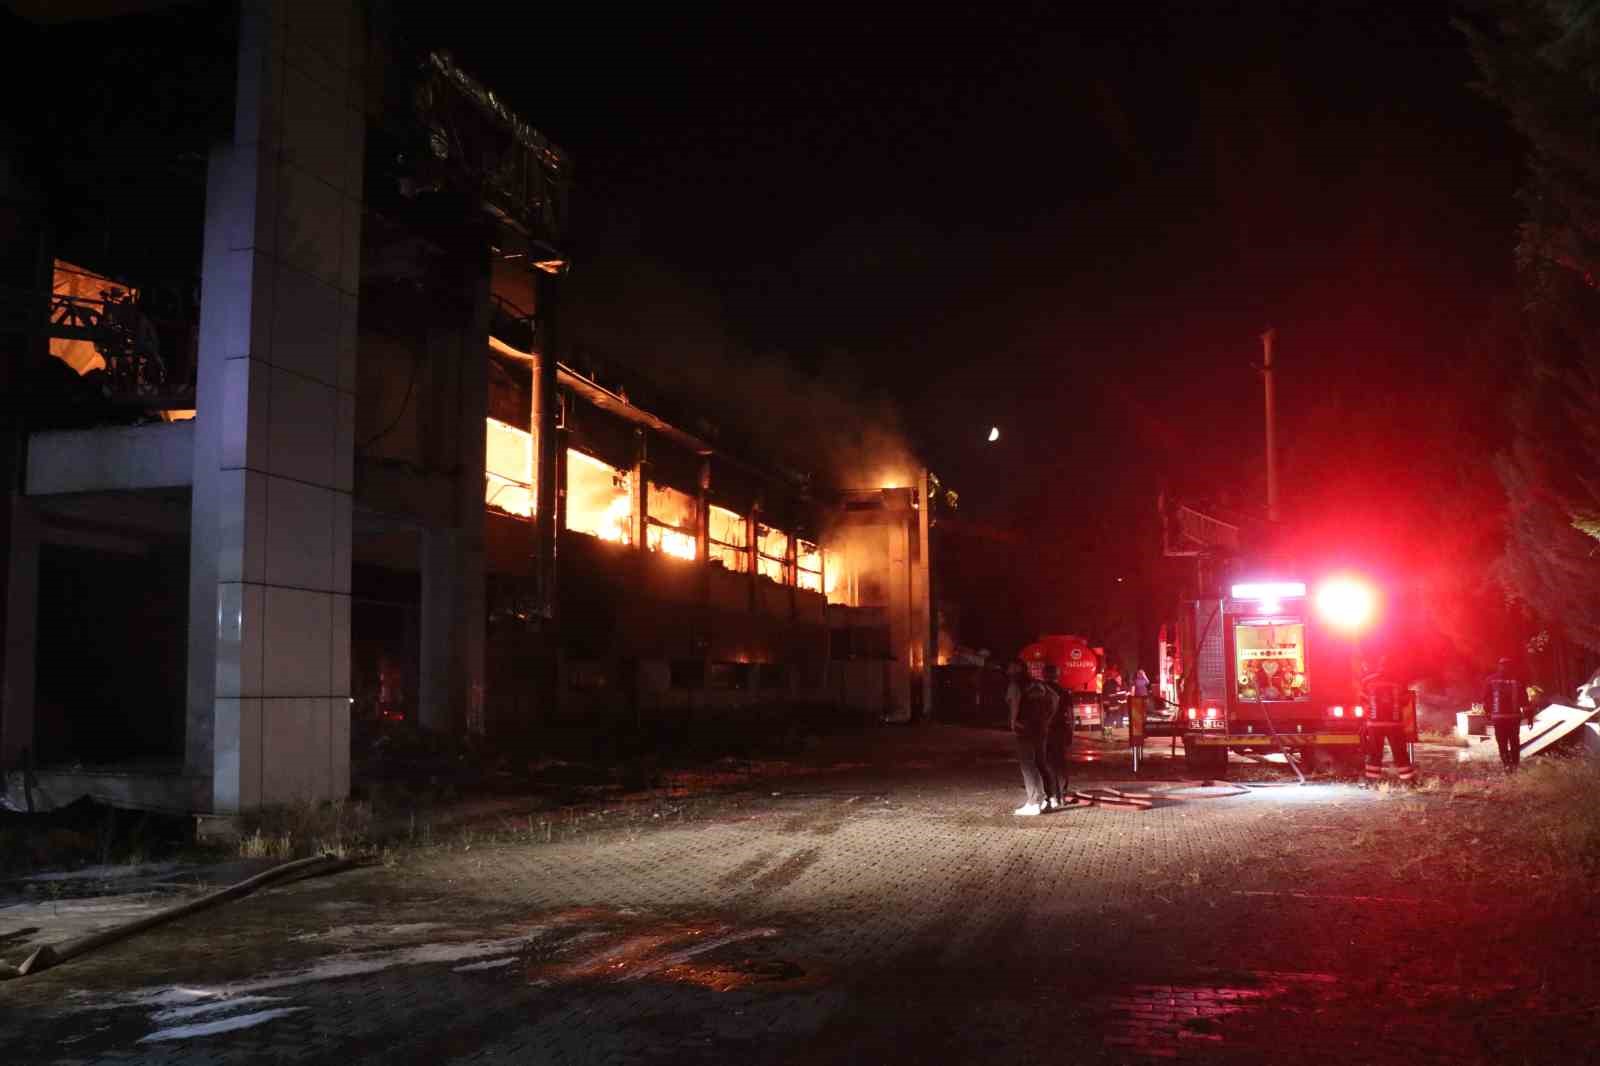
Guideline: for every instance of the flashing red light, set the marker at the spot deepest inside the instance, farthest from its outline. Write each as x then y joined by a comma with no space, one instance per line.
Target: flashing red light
1337,712
1211,712
1359,712
1192,714
1346,603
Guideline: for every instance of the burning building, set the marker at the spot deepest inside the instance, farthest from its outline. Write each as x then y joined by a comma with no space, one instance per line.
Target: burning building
292,451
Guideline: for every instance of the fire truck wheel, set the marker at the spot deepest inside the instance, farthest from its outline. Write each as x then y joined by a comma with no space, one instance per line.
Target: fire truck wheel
1205,762
1349,761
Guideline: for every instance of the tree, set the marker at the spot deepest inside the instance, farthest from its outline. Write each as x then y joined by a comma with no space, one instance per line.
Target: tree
1540,60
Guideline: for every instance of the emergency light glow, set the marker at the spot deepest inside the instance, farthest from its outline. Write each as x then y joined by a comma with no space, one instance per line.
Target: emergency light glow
1346,603
1269,591
1192,714
1337,712
1358,712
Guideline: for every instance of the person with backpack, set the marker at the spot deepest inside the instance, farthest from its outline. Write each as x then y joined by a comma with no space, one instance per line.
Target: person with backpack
1031,704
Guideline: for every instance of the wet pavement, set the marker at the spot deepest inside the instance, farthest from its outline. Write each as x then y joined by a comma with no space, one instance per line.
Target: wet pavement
882,912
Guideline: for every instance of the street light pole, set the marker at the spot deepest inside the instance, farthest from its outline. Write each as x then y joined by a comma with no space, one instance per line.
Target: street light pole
1272,428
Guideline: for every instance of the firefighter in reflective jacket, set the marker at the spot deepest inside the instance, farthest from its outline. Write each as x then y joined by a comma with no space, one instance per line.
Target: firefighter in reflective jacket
1382,723
1506,700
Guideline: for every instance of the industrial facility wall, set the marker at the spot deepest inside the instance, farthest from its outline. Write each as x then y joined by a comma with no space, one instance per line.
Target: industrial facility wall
648,636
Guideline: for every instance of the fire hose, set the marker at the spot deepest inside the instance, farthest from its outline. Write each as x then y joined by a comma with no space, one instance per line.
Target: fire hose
43,958
1283,748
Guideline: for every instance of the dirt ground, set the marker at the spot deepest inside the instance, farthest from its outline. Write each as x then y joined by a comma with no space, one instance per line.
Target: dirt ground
875,901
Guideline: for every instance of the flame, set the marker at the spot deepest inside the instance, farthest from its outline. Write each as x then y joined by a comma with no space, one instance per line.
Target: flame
672,542
615,522
508,468
599,499
808,562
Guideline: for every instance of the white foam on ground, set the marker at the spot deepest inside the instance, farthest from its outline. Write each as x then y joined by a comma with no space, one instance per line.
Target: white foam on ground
175,1014
329,969
222,1025
365,932
492,964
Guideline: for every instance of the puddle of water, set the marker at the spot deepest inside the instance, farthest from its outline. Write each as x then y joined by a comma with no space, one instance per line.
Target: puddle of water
742,973
366,933
173,1014
1160,1020
221,1025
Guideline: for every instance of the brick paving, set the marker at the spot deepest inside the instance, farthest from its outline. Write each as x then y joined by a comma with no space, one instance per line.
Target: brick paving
879,914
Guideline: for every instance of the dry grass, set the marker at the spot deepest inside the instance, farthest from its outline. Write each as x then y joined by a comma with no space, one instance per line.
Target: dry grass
290,832
1558,804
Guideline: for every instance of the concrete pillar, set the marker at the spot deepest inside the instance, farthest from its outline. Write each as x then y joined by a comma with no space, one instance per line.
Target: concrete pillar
902,628
922,596
641,490
269,631
25,267
21,630
752,551
451,671
454,597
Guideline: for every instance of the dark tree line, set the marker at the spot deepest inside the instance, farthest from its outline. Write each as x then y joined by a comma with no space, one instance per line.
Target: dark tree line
1540,60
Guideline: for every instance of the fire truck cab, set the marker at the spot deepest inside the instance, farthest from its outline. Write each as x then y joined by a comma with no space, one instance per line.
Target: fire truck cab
1272,670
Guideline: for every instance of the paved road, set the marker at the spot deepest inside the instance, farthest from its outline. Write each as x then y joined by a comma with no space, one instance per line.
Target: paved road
888,914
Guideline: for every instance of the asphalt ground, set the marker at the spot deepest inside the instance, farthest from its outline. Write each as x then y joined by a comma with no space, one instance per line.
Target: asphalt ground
885,908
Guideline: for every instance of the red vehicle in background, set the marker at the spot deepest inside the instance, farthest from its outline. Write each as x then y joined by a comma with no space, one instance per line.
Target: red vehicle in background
1080,666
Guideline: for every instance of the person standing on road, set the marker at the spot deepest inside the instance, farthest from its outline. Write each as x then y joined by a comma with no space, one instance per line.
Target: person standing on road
1139,703
1057,739
1110,696
1506,700
1030,702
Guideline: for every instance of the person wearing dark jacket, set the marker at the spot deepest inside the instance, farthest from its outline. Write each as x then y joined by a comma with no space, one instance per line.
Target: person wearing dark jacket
1031,703
1505,698
1382,694
1055,742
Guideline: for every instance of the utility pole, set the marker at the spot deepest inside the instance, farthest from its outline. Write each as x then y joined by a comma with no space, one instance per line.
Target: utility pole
1272,429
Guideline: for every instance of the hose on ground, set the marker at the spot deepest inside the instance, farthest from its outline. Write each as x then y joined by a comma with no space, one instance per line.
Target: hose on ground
49,955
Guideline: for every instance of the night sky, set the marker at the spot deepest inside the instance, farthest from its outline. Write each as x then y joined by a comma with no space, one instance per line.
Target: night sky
1070,223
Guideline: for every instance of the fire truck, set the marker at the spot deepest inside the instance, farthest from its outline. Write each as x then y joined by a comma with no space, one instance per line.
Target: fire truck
1273,667
1079,667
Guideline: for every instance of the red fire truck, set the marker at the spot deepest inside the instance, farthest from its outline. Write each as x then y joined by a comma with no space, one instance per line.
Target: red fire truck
1079,666
1273,667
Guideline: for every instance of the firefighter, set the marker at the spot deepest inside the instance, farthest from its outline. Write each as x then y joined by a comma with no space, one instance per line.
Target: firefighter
1032,703
1382,697
1506,700
1057,739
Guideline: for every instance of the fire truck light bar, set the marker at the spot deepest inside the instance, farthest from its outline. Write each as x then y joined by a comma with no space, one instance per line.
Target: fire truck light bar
1269,590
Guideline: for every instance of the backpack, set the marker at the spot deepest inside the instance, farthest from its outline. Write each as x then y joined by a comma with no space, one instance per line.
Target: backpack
1038,706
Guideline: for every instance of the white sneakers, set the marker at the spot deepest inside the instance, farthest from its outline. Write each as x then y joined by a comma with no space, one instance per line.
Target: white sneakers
1026,810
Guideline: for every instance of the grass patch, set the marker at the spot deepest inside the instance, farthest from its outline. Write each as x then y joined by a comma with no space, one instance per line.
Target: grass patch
1558,802
300,830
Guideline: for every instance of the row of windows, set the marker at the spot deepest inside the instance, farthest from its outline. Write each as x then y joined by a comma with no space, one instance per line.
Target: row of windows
600,504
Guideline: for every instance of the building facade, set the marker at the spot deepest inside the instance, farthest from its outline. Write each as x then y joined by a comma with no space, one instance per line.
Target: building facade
292,452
